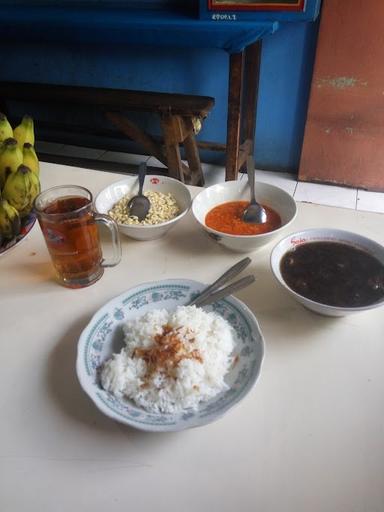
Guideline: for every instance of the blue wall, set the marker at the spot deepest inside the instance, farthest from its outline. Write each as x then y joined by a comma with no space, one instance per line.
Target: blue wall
285,81
286,71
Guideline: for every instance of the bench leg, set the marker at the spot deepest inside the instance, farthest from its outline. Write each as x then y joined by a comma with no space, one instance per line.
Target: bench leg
252,73
192,154
133,132
152,147
172,136
174,162
177,130
236,71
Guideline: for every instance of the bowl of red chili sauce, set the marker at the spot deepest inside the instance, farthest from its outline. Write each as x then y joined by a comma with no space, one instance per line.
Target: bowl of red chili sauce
218,210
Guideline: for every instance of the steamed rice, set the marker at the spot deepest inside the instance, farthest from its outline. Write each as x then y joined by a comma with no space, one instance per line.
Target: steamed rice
172,360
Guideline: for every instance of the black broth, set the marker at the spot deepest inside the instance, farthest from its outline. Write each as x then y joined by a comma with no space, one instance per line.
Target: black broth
334,273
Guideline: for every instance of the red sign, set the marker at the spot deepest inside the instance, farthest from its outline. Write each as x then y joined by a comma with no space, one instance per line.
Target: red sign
265,5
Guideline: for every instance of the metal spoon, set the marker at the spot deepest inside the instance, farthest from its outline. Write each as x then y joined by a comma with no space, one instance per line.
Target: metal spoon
221,281
224,292
139,205
254,213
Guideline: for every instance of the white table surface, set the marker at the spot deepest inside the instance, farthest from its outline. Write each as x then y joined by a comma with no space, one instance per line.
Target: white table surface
309,437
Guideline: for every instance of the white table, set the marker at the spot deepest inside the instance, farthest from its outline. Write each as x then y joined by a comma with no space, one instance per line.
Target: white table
308,438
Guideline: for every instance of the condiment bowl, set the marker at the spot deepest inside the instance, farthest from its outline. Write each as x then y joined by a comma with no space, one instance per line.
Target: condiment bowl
267,195
106,199
324,235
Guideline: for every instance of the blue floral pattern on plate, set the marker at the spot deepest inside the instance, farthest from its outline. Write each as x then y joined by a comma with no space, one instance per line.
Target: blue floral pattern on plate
97,341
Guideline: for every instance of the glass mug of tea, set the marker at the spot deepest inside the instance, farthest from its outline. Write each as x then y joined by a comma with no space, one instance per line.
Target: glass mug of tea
70,228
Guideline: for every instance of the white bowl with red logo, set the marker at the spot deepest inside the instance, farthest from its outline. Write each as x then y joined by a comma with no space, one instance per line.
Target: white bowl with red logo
130,185
324,235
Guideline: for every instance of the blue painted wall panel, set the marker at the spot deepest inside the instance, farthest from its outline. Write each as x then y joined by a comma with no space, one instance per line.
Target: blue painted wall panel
285,80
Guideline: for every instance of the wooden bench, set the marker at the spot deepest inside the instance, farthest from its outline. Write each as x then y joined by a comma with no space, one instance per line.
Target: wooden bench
180,117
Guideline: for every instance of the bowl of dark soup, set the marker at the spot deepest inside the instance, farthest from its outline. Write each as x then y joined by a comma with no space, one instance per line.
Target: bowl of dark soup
331,271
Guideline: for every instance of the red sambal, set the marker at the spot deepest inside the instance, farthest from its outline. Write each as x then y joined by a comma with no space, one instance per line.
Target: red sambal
227,218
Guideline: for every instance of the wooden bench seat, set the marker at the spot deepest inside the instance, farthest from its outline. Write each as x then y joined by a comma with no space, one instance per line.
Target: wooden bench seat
180,117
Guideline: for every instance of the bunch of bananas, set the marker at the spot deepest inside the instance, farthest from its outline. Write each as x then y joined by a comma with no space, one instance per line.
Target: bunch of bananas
19,175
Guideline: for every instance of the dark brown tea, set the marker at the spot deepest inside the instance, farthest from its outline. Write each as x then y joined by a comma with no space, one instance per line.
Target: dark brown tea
334,273
72,238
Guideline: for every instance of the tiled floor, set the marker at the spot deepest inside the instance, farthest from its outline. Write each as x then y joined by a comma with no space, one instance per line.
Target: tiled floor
305,192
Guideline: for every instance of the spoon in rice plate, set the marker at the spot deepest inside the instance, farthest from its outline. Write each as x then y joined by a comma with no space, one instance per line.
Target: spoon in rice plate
138,206
254,213
224,292
217,290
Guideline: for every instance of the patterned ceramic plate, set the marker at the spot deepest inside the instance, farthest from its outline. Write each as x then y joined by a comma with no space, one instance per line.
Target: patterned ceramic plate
103,336
27,224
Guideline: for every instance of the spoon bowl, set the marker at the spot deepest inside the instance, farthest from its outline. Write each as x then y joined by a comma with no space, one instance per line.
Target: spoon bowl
139,205
128,187
254,213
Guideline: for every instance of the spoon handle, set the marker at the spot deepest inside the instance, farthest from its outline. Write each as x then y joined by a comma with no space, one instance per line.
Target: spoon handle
224,292
251,177
142,173
229,274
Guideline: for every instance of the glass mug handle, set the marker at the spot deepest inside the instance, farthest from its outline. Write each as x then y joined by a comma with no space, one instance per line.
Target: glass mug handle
114,230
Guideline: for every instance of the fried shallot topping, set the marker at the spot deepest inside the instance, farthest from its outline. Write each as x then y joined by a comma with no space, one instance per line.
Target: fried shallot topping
167,352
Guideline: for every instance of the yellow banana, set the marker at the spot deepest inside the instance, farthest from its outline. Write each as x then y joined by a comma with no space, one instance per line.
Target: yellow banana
9,220
10,159
35,186
24,132
21,188
30,158
5,128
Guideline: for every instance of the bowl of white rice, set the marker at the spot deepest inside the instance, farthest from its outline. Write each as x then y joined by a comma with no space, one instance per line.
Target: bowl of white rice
170,200
149,361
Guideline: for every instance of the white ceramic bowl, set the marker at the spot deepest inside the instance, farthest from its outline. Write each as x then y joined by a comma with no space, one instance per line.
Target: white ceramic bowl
130,185
104,336
324,235
266,194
